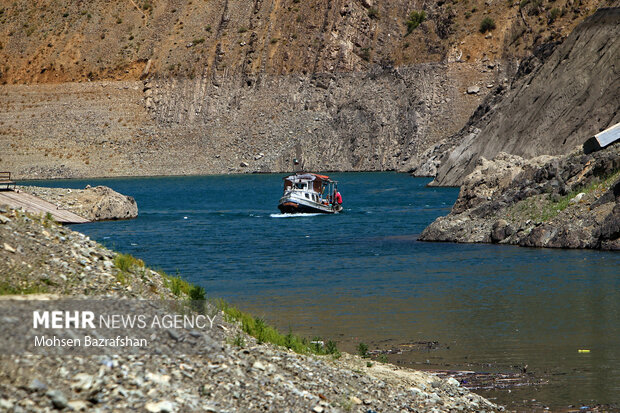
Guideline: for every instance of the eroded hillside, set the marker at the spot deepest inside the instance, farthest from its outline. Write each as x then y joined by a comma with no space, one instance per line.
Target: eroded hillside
61,40
560,98
149,87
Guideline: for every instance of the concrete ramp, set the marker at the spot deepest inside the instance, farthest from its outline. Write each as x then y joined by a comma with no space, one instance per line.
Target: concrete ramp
32,204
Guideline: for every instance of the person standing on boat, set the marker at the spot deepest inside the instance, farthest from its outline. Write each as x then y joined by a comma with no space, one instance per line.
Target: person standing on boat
338,198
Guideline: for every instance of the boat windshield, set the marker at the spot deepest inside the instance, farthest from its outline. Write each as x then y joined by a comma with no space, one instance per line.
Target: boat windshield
321,184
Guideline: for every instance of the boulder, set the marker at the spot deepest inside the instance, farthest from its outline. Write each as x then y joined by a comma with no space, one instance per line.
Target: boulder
103,203
473,90
501,230
93,203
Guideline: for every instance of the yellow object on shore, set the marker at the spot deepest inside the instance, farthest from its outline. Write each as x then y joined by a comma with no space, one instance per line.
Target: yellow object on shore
583,351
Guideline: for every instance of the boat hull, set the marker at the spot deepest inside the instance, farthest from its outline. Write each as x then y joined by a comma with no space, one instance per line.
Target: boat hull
292,207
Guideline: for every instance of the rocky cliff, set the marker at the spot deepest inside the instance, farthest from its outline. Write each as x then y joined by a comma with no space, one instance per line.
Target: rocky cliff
373,120
192,87
571,201
560,97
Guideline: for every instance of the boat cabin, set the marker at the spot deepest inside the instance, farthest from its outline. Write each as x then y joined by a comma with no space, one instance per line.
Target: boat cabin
309,192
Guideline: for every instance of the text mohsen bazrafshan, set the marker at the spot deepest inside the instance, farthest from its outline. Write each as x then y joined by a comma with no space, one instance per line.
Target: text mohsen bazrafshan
88,341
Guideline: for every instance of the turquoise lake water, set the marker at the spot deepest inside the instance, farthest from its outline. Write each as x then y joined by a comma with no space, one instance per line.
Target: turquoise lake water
361,276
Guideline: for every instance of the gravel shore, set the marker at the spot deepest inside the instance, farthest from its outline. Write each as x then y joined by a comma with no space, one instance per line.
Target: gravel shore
232,372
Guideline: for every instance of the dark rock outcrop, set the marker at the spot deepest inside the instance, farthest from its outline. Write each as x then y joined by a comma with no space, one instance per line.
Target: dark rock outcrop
570,201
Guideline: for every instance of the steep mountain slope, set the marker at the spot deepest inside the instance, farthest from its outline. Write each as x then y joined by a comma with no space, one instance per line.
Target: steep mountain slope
574,94
153,87
63,40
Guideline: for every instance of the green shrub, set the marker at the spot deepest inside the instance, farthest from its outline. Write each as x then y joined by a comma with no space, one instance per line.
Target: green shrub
331,348
125,262
7,288
121,277
242,29
365,54
362,350
415,19
487,24
176,284
198,41
317,345
197,293
239,341
264,333
554,14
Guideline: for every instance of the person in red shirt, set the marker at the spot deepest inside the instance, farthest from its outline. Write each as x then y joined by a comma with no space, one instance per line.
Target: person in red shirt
338,198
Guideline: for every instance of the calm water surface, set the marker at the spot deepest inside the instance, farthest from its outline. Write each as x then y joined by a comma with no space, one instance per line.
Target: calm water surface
361,276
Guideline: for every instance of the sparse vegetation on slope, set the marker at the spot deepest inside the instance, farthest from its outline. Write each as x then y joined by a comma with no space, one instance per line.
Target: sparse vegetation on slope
68,41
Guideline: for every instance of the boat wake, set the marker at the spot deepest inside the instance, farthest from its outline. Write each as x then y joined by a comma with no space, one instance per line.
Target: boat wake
294,215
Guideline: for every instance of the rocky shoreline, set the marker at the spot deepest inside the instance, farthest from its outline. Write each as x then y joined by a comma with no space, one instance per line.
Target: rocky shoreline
570,201
234,372
98,203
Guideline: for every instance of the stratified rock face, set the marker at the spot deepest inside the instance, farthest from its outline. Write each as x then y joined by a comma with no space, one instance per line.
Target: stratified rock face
95,204
376,120
346,122
345,85
557,106
571,201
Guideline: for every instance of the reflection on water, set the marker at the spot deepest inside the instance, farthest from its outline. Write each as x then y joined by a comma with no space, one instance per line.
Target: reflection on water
361,276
